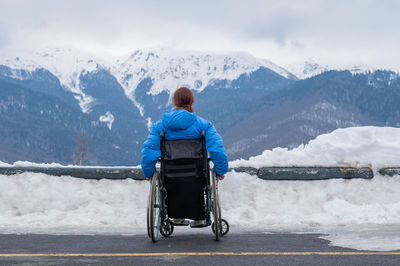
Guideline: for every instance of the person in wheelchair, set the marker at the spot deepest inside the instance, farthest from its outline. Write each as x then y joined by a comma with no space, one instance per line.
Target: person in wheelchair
182,123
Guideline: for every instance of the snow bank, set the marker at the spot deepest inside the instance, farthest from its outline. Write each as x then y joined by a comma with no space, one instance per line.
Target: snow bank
375,147
306,205
2,164
32,202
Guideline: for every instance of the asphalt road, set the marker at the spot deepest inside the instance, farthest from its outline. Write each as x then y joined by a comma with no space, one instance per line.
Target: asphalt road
198,248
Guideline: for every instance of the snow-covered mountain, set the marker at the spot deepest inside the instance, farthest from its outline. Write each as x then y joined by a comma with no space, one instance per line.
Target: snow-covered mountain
307,69
311,67
167,69
115,100
66,64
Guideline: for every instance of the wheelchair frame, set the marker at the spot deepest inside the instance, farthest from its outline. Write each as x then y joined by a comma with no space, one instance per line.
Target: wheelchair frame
158,221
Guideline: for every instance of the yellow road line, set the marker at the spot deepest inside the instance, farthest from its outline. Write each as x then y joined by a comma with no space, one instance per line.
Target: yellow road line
356,253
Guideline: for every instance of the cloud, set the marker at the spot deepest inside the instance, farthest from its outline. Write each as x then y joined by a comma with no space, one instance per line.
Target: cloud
280,30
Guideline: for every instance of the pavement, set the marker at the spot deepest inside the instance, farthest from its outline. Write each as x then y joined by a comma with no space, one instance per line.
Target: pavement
197,248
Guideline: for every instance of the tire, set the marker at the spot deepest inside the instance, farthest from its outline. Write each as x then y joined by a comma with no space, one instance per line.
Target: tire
148,220
216,209
153,210
167,228
224,227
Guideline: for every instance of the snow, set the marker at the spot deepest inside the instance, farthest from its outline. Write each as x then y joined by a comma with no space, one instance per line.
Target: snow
375,147
2,164
310,68
69,205
149,123
307,69
30,164
107,118
366,237
301,205
55,165
65,204
169,69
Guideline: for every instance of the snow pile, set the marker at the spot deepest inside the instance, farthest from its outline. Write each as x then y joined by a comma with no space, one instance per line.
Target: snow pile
32,202
308,205
374,147
2,164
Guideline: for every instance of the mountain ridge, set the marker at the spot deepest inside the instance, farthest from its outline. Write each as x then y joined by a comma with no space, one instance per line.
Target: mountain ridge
311,67
168,69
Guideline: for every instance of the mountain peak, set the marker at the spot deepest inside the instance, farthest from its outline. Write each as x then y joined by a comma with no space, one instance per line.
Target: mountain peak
66,64
311,68
170,68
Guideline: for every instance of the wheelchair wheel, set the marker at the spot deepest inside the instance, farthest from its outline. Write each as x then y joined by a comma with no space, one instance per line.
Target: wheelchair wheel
216,209
153,210
224,227
167,228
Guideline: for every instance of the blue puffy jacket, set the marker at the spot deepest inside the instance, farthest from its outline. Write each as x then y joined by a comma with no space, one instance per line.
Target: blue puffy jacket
181,124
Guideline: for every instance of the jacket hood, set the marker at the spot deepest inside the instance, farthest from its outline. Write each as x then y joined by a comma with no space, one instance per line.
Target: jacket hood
178,119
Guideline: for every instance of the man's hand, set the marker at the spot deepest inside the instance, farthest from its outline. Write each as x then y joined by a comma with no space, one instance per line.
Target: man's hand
147,179
221,177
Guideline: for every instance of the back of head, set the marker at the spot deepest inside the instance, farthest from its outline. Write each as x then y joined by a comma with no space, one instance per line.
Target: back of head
184,99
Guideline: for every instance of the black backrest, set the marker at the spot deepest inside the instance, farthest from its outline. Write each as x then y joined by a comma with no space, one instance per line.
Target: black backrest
183,149
184,159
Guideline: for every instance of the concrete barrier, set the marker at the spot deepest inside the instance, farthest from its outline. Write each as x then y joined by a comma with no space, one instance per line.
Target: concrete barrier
313,173
266,173
390,171
80,172
307,173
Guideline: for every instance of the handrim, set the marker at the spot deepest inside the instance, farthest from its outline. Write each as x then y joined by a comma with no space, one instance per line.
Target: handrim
216,209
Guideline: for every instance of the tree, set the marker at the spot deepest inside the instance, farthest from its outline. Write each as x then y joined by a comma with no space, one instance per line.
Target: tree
81,150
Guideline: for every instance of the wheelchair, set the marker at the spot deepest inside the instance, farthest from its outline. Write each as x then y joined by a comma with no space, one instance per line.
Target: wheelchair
182,190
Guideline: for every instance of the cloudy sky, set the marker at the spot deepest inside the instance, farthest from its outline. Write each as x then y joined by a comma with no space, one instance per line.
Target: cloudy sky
334,32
